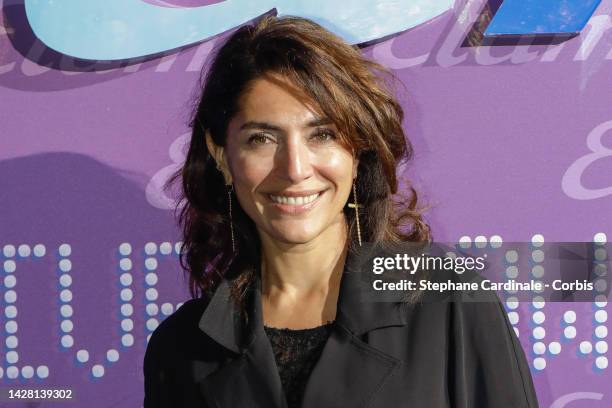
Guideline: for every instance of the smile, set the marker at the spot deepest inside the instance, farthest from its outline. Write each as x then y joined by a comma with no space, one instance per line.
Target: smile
296,203
292,200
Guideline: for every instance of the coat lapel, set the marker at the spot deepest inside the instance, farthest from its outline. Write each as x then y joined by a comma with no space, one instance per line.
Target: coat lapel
349,373
251,379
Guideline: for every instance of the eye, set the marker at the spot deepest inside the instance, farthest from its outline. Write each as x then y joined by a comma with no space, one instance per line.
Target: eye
324,135
259,138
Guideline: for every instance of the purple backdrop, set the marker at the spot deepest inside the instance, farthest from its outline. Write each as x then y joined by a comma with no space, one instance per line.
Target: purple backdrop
510,141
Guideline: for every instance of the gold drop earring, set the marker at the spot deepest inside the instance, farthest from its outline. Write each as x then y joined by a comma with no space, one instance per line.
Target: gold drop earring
230,188
355,205
229,200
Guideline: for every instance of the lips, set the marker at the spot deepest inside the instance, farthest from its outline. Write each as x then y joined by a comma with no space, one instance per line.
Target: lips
294,200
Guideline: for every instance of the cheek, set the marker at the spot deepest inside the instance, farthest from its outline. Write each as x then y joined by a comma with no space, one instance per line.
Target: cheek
250,170
337,162
249,173
338,168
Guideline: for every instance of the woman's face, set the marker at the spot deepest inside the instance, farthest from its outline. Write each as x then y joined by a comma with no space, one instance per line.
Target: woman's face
290,172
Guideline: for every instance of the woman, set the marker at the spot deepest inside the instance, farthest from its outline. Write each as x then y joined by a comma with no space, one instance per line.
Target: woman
291,169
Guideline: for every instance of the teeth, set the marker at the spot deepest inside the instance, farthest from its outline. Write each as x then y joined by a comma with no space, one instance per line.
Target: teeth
294,200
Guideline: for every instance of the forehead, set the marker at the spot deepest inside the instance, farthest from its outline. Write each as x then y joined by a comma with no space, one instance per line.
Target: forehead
275,99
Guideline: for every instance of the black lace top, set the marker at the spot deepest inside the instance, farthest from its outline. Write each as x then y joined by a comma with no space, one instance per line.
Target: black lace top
296,352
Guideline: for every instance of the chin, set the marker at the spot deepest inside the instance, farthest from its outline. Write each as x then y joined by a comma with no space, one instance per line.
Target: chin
294,237
293,234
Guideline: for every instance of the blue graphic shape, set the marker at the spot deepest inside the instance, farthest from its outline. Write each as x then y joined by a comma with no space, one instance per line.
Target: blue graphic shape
124,29
534,17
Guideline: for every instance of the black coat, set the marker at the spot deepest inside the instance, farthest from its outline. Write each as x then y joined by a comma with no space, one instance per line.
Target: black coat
379,355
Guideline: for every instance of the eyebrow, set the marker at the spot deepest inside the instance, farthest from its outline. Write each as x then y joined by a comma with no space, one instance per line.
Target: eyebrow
268,126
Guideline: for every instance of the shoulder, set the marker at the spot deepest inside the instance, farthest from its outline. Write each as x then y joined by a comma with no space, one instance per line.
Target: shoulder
471,303
178,331
184,318
190,309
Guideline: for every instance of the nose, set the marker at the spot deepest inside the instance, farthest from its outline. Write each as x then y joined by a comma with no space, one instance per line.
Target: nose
295,161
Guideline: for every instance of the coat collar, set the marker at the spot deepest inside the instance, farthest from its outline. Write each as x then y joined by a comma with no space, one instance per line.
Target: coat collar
222,322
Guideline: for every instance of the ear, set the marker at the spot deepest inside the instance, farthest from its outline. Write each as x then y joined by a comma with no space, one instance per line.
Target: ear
355,167
218,153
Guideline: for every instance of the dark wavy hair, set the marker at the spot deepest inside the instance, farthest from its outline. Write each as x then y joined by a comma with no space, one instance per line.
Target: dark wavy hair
354,92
